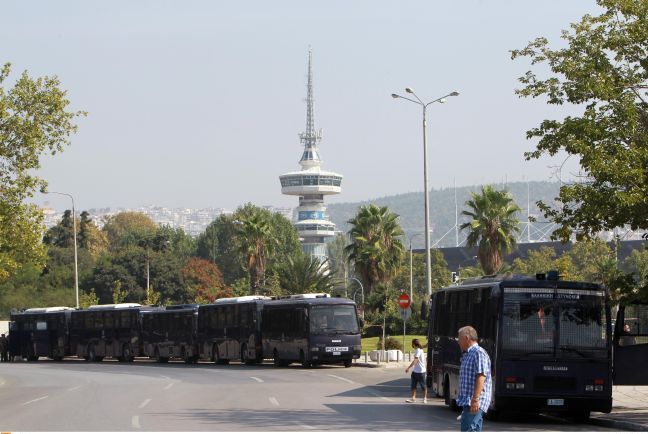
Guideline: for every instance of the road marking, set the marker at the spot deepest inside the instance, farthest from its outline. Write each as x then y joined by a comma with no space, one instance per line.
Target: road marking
168,386
273,401
72,389
135,422
34,400
308,427
145,403
257,379
386,399
165,377
341,378
2,382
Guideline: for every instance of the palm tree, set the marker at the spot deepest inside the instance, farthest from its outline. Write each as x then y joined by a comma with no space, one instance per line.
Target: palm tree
304,273
492,227
376,249
256,241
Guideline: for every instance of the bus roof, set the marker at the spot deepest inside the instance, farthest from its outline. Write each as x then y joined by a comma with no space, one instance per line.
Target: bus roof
47,309
311,301
519,281
114,306
241,299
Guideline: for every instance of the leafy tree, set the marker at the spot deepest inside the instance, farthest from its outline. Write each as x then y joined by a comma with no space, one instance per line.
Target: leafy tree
204,281
441,276
218,245
375,249
602,73
538,261
34,119
492,226
152,297
180,244
87,299
118,296
107,272
637,289
127,228
61,234
90,237
337,259
303,274
592,260
287,238
256,242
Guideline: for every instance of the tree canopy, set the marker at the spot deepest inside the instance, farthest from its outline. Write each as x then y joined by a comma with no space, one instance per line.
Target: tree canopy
375,249
492,227
602,73
34,120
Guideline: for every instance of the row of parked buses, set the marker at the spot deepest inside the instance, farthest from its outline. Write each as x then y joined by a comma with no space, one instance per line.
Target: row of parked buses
309,328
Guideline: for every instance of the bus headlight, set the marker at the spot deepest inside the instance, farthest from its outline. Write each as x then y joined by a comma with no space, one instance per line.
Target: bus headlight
589,387
598,388
314,349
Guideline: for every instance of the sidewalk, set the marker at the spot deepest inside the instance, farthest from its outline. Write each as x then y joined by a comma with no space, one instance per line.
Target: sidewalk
629,409
629,403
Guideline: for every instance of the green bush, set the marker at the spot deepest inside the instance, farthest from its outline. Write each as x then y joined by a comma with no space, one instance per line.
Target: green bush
390,344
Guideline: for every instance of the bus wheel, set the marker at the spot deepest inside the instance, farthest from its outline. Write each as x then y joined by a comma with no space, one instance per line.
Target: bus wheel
32,358
185,356
446,395
215,358
245,357
579,416
302,359
127,356
277,361
91,355
348,363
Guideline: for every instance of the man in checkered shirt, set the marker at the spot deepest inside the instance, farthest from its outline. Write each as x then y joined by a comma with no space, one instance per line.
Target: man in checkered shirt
474,380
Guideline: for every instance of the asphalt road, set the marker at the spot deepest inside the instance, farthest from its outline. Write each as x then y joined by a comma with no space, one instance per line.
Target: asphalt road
74,395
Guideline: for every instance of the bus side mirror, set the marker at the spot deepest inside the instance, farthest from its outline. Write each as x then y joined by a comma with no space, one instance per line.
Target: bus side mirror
361,322
423,310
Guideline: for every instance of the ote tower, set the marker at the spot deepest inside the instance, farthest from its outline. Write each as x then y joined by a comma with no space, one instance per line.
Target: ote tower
311,184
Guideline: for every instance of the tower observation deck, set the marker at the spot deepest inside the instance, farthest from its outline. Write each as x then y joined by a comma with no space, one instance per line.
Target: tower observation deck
311,184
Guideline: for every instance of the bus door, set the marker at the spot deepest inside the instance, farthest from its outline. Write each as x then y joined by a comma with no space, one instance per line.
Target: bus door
630,345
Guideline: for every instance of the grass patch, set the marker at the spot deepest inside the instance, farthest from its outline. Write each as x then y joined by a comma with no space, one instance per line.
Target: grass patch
370,344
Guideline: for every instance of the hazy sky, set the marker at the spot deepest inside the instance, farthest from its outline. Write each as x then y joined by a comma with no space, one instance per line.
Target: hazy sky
199,103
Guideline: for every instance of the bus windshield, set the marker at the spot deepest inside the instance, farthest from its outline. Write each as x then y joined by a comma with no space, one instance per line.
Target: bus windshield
338,319
561,323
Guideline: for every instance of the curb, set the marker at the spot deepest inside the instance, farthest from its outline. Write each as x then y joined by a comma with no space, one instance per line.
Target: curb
381,365
617,424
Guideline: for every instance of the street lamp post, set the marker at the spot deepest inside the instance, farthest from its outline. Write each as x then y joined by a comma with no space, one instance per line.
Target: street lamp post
411,269
76,268
428,262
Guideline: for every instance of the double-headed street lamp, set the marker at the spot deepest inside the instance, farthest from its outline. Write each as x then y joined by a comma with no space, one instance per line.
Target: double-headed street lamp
76,267
428,262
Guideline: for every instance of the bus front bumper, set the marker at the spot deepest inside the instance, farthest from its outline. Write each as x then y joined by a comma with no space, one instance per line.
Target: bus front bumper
553,404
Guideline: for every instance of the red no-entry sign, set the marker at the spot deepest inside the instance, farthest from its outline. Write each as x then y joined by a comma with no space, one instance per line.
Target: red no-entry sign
404,301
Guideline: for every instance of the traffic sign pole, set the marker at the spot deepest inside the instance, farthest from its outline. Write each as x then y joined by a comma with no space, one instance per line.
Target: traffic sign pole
404,302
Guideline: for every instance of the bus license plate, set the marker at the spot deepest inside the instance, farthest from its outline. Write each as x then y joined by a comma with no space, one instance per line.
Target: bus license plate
555,402
337,350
